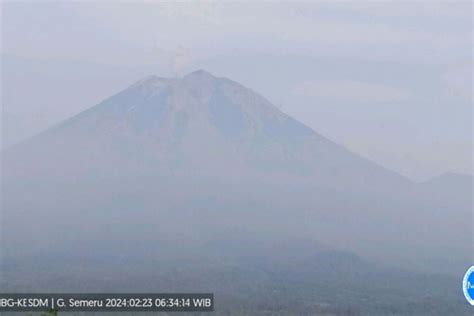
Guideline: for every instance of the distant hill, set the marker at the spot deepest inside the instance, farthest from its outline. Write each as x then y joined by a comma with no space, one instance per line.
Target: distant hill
449,187
450,179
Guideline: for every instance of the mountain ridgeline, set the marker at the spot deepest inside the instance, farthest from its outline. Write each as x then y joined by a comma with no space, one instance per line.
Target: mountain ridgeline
203,179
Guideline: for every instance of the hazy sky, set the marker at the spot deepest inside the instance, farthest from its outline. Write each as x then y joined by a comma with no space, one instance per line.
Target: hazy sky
390,80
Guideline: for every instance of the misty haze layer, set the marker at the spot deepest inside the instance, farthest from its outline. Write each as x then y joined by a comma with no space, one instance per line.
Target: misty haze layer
204,177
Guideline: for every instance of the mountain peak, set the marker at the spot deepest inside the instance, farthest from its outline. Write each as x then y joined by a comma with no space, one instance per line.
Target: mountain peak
150,84
153,82
200,77
151,79
199,73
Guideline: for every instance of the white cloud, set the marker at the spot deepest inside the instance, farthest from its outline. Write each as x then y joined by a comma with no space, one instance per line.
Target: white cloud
351,90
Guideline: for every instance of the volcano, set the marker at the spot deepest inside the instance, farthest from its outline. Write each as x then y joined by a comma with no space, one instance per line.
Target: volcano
198,125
